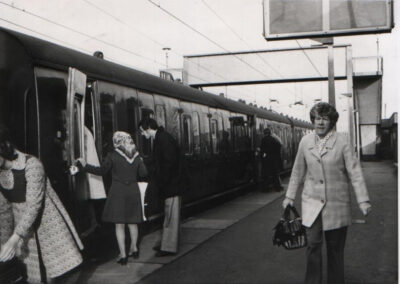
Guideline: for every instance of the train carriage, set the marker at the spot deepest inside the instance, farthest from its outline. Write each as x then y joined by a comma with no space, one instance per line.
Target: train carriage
49,95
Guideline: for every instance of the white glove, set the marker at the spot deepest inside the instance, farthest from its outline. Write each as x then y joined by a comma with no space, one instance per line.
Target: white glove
286,202
73,170
365,208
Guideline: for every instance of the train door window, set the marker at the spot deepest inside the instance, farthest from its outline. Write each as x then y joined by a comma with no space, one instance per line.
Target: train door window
160,115
214,135
89,110
51,89
196,132
187,134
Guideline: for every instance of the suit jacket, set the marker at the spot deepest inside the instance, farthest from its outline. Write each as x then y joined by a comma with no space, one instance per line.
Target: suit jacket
166,161
326,180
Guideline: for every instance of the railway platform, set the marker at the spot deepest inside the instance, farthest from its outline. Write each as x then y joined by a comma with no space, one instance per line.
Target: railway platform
232,243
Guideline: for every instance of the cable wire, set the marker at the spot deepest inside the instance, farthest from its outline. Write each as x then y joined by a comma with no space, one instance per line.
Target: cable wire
240,38
83,34
205,36
309,59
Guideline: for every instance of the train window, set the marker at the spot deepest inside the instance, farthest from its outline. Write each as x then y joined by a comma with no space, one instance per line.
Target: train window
196,132
214,133
187,134
31,123
160,115
131,116
205,135
108,121
146,144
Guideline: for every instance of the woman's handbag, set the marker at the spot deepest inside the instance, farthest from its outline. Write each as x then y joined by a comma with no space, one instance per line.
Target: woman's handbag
142,189
290,233
11,272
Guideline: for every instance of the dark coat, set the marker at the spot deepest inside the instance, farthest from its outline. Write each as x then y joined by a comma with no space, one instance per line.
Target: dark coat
272,163
166,157
270,146
123,203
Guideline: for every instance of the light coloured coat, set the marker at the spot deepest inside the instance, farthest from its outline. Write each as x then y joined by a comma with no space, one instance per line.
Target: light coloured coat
326,180
41,219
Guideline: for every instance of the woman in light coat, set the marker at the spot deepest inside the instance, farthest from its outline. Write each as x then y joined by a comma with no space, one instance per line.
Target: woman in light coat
34,224
325,166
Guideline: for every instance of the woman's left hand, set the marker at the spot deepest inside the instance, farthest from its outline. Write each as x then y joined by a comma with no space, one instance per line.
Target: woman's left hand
8,249
365,208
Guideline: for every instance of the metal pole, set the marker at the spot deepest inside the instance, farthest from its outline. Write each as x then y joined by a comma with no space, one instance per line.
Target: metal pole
331,75
166,56
350,100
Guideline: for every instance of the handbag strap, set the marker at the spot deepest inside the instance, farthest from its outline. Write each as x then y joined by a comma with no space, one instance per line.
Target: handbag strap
286,213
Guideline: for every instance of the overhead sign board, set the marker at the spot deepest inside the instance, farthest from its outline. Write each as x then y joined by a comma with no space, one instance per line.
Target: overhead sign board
290,19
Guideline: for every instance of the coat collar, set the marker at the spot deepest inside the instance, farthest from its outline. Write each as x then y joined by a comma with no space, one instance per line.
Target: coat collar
328,146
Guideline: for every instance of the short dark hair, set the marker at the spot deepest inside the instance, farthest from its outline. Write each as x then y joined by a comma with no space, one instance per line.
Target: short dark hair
267,131
147,123
7,149
324,109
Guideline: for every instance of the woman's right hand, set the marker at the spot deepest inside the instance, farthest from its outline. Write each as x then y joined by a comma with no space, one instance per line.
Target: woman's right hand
287,201
9,248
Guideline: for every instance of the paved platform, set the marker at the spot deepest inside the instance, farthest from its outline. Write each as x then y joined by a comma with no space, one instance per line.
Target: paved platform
194,231
233,244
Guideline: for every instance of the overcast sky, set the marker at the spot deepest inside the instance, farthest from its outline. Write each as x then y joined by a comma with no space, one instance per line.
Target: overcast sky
134,33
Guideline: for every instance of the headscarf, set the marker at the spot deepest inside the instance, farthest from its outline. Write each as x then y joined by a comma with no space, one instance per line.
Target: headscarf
124,144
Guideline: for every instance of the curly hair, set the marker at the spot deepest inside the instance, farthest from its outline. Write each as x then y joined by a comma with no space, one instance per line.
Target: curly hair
325,110
7,149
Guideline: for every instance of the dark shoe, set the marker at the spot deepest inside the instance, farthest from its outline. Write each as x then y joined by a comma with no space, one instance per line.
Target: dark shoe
122,261
162,253
157,248
134,254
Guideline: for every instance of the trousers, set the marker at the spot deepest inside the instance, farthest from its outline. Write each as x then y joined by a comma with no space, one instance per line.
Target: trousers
170,230
335,241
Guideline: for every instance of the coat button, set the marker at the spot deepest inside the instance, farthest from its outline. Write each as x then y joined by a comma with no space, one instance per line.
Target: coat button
322,201
321,181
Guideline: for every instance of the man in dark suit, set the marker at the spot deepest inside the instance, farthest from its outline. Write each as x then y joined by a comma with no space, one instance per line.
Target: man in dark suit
167,176
270,149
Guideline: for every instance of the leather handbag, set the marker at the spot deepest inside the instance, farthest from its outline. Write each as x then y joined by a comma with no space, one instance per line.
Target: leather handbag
11,272
289,232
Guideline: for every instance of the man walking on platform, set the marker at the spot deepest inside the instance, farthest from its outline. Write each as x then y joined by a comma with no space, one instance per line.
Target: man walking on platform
167,176
270,149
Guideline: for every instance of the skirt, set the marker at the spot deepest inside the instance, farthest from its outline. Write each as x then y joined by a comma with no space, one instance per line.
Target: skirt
123,204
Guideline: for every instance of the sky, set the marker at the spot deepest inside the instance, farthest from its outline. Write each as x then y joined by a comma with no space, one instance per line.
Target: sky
134,33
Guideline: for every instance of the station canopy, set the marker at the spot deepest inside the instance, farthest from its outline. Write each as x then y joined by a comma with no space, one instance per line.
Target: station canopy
263,67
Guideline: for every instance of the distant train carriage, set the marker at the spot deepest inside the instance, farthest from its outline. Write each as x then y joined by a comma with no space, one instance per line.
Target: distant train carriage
49,94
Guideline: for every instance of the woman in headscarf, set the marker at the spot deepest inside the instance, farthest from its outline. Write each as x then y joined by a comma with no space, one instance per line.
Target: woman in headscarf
325,167
34,225
123,205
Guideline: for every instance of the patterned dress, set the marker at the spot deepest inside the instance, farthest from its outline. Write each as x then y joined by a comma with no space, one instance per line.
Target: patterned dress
39,218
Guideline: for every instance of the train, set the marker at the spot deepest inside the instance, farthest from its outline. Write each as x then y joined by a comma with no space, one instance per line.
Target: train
49,94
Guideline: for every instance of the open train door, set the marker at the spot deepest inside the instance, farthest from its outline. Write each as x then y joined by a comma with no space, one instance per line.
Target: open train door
75,138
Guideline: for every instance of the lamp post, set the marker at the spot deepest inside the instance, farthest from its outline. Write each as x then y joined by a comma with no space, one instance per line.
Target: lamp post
166,49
